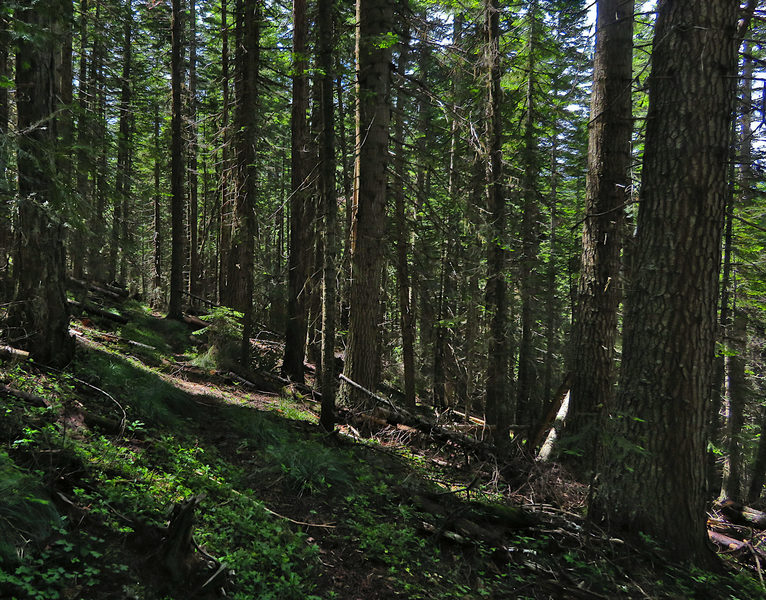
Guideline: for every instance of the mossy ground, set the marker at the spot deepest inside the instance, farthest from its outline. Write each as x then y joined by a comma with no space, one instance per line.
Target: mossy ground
127,430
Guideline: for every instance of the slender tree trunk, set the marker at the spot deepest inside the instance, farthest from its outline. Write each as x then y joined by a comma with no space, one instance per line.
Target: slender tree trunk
224,235
97,268
374,20
84,140
406,322
39,312
300,228
652,480
330,208
527,398
736,399
594,329
157,293
6,184
552,303
118,246
758,477
175,310
497,411
348,193
193,149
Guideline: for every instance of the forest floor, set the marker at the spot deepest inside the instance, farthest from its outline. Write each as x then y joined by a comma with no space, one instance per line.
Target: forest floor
144,471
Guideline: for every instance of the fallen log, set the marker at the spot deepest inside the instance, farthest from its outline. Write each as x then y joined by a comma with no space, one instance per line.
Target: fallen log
396,416
9,352
196,321
538,433
743,515
99,312
32,399
731,544
112,293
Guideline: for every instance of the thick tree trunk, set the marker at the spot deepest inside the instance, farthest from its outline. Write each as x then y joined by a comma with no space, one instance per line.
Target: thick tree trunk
594,329
243,234
39,313
374,21
300,227
652,479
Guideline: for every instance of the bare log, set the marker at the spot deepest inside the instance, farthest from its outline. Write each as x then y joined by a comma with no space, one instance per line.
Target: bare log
537,434
9,352
396,416
743,515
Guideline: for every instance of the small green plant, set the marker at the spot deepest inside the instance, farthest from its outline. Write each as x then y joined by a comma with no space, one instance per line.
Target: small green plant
27,517
223,336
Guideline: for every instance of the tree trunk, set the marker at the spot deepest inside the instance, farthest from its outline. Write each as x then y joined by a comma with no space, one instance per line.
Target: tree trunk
192,150
497,411
243,234
594,329
300,227
224,235
736,399
528,403
406,323
157,293
652,479
40,311
6,184
330,209
373,58
122,177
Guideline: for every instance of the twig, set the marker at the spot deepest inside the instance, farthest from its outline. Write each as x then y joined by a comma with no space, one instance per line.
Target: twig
324,525
124,417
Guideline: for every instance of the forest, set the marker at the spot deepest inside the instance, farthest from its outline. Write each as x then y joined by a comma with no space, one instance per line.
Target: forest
399,298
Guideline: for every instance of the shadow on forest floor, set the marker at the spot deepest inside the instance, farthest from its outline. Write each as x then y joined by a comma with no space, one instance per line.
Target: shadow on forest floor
135,474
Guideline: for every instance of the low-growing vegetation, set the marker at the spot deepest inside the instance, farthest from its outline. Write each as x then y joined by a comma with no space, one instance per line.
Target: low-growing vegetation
134,474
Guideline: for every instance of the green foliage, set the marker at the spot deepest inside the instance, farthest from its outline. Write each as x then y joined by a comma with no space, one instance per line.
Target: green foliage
223,335
27,515
147,397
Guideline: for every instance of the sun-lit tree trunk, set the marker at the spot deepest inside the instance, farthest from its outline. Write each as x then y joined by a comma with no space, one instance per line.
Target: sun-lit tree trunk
653,477
300,227
373,59
175,309
39,317
594,330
